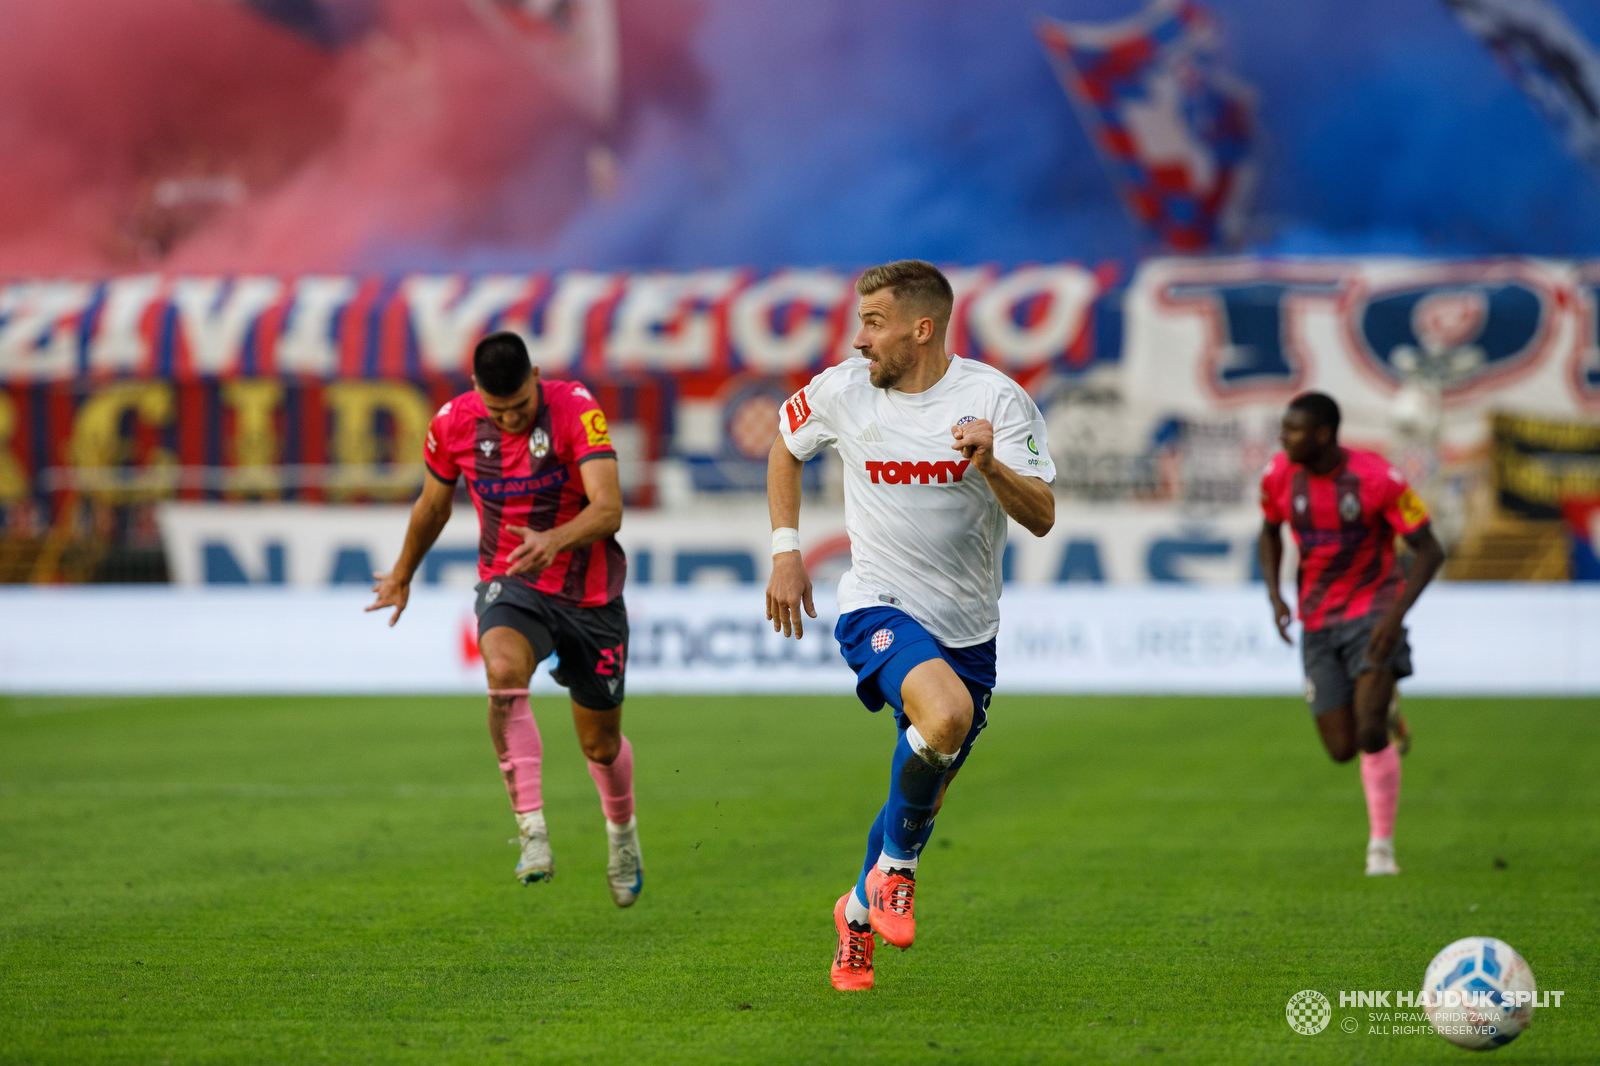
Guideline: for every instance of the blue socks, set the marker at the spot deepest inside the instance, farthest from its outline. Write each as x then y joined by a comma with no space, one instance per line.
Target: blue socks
874,848
905,823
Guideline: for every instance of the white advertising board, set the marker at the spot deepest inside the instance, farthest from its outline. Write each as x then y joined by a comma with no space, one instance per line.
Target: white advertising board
1467,639
710,544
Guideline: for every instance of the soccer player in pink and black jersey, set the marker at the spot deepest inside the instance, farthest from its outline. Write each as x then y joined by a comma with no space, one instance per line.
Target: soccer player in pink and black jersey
542,473
1345,507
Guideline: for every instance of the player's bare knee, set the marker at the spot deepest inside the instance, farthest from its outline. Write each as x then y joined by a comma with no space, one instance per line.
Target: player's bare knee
1373,738
504,670
948,720
603,750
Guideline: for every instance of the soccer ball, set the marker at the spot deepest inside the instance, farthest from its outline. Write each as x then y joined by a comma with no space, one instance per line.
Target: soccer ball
1478,993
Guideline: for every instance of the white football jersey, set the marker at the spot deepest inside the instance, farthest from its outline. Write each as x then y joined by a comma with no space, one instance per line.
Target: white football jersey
926,533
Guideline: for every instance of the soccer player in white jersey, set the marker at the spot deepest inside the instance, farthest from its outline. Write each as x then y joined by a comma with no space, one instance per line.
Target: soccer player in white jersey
937,451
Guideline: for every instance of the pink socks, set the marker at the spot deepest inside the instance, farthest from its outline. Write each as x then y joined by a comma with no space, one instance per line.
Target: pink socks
520,751
1380,779
615,783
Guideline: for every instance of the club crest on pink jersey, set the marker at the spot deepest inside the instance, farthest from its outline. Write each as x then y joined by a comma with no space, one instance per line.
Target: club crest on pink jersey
882,639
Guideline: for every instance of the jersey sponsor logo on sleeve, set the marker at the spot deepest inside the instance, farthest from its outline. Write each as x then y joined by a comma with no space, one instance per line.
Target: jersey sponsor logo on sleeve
1412,509
797,410
433,445
594,423
502,487
942,473
579,390
1032,447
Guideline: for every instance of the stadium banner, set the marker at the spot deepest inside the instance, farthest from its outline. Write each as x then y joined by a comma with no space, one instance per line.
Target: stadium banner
140,384
347,327
1467,639
1539,465
1428,347
706,545
1165,387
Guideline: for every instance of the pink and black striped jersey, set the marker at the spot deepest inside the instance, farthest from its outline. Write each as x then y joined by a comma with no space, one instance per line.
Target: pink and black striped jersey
1345,523
531,479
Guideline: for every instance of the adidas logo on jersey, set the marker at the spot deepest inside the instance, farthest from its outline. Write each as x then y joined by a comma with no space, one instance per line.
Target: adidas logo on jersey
870,435
921,473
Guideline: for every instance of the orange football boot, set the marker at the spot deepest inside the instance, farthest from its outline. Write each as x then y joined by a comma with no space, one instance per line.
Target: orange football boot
852,963
889,901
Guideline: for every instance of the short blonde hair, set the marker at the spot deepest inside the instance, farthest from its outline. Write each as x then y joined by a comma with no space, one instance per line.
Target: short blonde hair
913,281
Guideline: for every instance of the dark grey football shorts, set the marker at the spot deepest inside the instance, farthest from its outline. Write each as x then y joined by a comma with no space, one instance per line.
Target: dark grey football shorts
591,642
1336,655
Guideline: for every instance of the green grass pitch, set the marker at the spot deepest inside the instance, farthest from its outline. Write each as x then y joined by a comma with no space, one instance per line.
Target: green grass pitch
309,880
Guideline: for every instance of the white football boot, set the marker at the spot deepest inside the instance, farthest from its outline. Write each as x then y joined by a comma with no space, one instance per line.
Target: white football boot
536,863
624,867
1380,858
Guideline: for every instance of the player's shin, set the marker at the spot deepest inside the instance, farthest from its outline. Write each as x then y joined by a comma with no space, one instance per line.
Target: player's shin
856,906
615,784
918,771
517,743
624,865
1380,779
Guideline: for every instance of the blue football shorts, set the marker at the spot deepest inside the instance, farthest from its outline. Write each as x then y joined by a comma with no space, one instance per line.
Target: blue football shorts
884,644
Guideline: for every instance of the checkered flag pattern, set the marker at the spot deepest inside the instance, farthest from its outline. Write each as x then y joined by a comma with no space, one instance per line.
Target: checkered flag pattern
1309,1012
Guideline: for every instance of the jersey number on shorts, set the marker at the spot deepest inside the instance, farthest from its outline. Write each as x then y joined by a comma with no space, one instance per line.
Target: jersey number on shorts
611,661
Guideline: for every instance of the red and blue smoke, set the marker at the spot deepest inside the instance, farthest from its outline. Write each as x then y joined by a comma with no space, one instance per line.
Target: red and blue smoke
387,135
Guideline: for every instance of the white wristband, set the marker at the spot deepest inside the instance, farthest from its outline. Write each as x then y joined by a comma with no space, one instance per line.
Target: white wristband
785,540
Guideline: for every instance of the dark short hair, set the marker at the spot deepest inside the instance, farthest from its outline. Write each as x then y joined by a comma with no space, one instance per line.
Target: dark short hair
1319,407
500,364
913,281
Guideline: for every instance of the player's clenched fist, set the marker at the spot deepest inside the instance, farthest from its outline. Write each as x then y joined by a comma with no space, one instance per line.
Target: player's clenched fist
535,554
975,441
787,589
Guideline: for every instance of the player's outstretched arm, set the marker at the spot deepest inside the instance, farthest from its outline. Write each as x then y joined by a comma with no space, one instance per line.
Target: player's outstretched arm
1269,549
599,519
428,516
790,586
1429,557
1027,499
